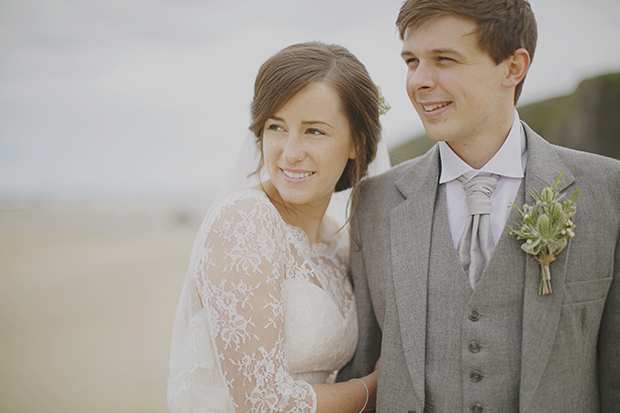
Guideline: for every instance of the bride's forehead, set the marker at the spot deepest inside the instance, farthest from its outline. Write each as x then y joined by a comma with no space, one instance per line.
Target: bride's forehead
317,98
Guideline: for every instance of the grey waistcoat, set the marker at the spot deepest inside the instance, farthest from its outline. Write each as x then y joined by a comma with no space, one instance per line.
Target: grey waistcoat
473,340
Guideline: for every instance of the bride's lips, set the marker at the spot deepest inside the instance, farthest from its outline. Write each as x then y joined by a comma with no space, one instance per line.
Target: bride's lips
296,176
432,109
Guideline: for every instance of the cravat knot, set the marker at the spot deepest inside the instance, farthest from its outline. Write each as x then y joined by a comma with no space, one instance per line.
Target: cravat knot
478,192
476,244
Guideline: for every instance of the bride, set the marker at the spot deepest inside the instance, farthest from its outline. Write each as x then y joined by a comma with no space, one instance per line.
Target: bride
267,310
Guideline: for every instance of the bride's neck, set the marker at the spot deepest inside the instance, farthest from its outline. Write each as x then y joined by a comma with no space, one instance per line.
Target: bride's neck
307,217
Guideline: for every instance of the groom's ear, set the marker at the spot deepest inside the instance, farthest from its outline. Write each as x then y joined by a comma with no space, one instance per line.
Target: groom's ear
517,65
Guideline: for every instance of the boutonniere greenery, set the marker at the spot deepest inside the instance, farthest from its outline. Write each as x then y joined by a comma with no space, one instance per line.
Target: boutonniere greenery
546,228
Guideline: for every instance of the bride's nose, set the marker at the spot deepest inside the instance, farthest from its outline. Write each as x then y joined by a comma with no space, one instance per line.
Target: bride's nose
293,150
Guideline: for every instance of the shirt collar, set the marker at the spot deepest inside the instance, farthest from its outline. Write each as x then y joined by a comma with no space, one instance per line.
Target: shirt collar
507,161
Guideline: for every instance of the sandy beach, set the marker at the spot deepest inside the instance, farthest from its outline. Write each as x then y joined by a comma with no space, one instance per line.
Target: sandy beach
88,294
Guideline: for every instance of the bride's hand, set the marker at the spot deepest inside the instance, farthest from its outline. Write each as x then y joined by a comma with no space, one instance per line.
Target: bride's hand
371,382
347,396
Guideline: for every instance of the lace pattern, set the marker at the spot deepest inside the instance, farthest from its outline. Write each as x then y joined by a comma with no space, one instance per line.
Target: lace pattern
263,308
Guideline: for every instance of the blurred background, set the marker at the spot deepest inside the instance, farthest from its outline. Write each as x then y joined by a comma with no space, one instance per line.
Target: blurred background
119,120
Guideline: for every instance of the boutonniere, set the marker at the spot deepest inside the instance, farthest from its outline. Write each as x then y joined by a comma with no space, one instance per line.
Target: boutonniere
546,228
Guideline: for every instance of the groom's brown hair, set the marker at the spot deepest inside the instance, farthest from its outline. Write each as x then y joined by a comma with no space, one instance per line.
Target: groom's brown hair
503,25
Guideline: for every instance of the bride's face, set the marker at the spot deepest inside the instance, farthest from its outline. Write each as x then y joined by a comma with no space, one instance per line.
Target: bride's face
306,145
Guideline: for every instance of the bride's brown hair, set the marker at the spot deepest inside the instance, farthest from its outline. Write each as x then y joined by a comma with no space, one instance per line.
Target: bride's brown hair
297,66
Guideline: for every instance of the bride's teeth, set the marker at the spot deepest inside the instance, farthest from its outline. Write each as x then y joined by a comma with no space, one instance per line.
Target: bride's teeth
433,107
295,175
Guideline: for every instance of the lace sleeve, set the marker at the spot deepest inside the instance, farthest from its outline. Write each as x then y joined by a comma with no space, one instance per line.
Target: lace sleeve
240,282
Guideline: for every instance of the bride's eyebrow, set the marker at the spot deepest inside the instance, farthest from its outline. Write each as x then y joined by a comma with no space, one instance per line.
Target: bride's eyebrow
316,122
303,122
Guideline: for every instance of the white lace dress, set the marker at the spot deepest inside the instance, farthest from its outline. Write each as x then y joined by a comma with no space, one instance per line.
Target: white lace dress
263,312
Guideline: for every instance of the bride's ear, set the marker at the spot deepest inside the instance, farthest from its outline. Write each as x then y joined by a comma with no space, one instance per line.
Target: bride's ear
358,144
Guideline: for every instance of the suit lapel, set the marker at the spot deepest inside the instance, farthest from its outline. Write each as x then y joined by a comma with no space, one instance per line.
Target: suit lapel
410,237
541,314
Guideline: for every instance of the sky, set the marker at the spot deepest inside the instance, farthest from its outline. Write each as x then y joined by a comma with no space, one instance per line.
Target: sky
137,98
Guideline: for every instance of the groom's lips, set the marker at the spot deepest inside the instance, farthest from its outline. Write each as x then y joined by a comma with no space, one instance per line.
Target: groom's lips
432,109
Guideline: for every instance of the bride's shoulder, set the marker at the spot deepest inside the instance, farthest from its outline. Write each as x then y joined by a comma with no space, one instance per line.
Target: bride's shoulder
241,215
251,204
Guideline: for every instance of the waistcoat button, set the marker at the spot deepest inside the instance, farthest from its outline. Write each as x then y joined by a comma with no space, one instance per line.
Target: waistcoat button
474,315
474,347
476,376
476,408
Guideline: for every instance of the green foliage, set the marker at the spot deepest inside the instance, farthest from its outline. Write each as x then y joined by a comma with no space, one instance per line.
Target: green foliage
546,226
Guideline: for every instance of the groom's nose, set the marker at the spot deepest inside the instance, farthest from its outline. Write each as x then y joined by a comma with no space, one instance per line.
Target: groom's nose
421,78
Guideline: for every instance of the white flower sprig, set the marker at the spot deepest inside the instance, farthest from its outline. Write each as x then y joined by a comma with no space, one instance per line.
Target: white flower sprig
384,105
546,228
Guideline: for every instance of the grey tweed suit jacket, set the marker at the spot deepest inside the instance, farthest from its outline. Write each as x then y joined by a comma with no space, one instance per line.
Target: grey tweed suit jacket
570,350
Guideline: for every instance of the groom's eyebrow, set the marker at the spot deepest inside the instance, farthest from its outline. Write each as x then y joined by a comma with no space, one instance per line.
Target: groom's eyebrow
446,50
438,51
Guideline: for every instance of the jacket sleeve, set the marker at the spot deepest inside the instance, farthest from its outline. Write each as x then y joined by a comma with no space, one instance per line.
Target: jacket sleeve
369,342
609,344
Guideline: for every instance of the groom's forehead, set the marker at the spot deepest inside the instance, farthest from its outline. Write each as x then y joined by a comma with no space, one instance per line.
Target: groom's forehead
447,33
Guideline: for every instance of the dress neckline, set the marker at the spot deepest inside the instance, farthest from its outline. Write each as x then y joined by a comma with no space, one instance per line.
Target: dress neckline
319,248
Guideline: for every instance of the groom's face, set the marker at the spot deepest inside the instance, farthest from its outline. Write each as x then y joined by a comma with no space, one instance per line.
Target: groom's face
454,85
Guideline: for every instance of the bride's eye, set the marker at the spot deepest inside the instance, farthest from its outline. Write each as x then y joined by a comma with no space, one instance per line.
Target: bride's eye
315,132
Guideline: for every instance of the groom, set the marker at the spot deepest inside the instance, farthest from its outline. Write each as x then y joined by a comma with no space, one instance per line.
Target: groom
461,328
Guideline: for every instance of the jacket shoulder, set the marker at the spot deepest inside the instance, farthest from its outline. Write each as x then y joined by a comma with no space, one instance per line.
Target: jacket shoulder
396,172
385,190
586,165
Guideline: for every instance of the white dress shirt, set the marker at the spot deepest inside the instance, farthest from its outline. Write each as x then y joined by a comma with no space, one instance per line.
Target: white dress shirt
509,162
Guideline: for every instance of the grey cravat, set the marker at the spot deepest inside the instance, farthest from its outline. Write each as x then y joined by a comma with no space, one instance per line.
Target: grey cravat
476,244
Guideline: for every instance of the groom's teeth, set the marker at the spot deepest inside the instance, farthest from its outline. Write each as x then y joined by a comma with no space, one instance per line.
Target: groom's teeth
295,175
433,107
